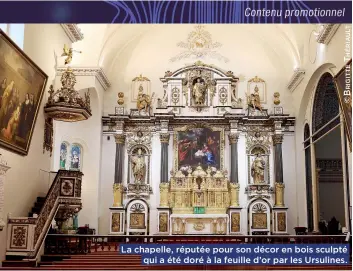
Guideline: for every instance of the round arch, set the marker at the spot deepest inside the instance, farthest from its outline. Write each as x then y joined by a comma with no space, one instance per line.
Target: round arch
325,105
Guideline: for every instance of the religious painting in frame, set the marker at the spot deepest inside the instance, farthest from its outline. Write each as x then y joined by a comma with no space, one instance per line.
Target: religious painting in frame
196,145
343,82
137,221
259,221
22,84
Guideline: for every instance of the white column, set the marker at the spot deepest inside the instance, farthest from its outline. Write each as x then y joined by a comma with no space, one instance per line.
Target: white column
3,169
344,170
314,189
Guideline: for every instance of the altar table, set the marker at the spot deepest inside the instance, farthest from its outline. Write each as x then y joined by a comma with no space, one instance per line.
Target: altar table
197,224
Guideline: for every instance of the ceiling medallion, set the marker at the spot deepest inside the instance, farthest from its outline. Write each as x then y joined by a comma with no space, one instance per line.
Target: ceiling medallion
199,44
66,104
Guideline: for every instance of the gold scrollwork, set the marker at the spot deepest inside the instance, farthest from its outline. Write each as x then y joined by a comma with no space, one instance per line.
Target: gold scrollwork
281,220
235,222
163,222
118,195
199,226
279,190
115,222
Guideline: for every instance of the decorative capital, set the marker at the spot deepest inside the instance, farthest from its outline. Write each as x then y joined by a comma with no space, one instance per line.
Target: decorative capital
164,138
120,139
277,139
235,186
233,138
117,187
279,185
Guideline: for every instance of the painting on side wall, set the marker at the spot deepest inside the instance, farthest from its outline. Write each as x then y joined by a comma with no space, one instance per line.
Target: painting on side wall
22,85
199,146
343,81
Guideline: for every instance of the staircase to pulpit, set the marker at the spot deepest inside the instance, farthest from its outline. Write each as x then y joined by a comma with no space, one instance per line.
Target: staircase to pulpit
26,235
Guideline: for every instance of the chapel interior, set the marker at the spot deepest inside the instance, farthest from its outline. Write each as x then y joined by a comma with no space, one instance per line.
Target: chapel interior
172,130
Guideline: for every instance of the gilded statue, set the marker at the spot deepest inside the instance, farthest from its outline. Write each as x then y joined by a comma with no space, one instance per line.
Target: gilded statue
258,169
144,101
68,53
138,167
254,99
199,92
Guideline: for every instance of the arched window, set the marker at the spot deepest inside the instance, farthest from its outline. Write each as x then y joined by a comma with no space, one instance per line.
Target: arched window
63,154
326,105
70,156
76,155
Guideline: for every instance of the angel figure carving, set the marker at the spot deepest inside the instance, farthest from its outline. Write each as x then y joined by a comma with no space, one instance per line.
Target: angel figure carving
138,167
258,169
144,101
68,52
199,92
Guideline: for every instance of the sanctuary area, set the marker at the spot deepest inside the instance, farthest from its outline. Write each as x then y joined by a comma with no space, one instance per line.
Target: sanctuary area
151,133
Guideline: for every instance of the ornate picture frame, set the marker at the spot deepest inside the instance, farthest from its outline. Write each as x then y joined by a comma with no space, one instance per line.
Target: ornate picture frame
186,128
345,100
22,85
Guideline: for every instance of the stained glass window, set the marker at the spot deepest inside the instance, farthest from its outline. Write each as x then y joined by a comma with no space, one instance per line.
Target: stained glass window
76,152
63,155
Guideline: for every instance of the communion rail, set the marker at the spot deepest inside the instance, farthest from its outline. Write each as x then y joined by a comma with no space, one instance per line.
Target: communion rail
62,244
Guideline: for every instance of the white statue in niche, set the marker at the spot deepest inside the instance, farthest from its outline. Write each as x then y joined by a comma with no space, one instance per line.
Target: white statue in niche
138,167
199,92
258,169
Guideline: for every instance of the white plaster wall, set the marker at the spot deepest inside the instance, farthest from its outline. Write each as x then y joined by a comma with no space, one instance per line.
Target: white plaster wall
106,183
29,175
291,183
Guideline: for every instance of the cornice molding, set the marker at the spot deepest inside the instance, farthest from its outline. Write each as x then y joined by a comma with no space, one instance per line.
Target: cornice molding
88,71
296,78
326,33
73,32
